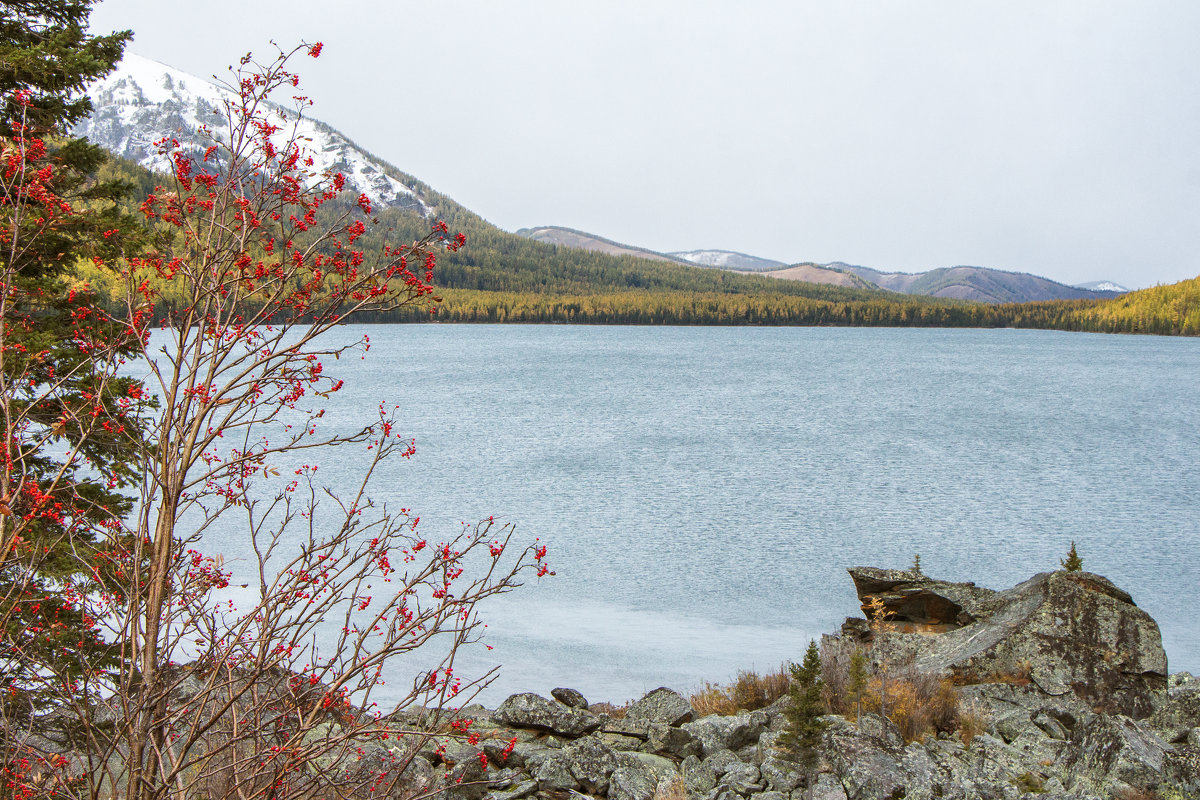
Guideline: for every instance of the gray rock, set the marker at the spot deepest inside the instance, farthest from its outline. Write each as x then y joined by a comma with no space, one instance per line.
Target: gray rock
769,796
1193,737
554,774
727,733
827,787
660,767
677,742
523,753
661,705
914,598
522,789
629,727
1070,632
632,783
720,761
742,778
1120,749
619,741
780,775
533,711
591,762
570,698
698,779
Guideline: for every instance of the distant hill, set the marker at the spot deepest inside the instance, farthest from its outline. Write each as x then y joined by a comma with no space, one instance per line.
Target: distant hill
816,273
571,276
727,259
976,283
569,237
980,284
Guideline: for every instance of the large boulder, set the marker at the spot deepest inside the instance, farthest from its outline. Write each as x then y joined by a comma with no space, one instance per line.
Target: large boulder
530,710
715,733
1064,632
1109,749
911,597
661,705
1071,632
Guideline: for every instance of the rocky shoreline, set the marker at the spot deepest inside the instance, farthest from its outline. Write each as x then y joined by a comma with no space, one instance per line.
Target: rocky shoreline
1065,675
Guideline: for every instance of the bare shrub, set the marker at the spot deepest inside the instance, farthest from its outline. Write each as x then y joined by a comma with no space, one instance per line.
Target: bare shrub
671,789
748,691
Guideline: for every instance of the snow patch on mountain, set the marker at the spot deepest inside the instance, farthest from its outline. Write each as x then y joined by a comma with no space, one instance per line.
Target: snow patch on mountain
1102,286
726,259
142,101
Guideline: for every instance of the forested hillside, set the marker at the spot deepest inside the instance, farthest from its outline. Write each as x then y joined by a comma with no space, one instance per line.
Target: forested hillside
503,277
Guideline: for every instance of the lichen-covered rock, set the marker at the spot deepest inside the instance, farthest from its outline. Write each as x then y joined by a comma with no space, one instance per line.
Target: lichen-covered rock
780,775
911,597
677,742
698,780
1015,710
661,705
660,767
719,762
631,783
553,773
1119,749
530,710
742,778
514,792
569,697
826,787
591,762
727,733
1067,632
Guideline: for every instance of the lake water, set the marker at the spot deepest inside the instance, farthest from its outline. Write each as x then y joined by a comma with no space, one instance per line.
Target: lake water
702,490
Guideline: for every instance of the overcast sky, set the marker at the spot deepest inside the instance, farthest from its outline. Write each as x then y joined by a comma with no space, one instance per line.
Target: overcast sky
1058,138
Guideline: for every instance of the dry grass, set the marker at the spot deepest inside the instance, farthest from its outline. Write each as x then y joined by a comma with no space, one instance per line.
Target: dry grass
1020,675
971,722
919,703
748,691
614,711
672,789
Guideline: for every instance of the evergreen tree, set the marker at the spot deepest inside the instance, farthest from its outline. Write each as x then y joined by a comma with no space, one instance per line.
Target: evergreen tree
802,731
1072,563
858,679
66,414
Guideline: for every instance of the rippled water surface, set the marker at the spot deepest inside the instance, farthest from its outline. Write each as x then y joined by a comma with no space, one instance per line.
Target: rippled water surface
702,490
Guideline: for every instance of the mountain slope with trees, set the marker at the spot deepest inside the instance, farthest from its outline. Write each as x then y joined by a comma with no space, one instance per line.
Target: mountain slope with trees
502,276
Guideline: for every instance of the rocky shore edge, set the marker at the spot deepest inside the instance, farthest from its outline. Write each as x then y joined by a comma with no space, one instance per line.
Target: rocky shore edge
1065,674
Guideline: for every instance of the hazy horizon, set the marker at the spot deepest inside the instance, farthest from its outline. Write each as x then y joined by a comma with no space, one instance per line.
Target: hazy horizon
1050,138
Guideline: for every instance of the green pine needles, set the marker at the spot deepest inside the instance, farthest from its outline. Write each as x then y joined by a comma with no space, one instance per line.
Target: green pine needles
1072,563
803,724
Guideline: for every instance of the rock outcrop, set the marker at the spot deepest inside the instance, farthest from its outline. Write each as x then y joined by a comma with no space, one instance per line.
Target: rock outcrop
1064,678
1067,632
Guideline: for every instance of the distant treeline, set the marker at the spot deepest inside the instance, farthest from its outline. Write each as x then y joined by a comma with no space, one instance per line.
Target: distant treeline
687,308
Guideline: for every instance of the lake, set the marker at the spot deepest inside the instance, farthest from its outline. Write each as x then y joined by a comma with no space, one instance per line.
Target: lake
702,490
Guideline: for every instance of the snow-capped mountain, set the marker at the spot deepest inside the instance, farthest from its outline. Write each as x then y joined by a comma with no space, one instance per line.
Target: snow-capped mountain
726,259
142,101
1102,286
